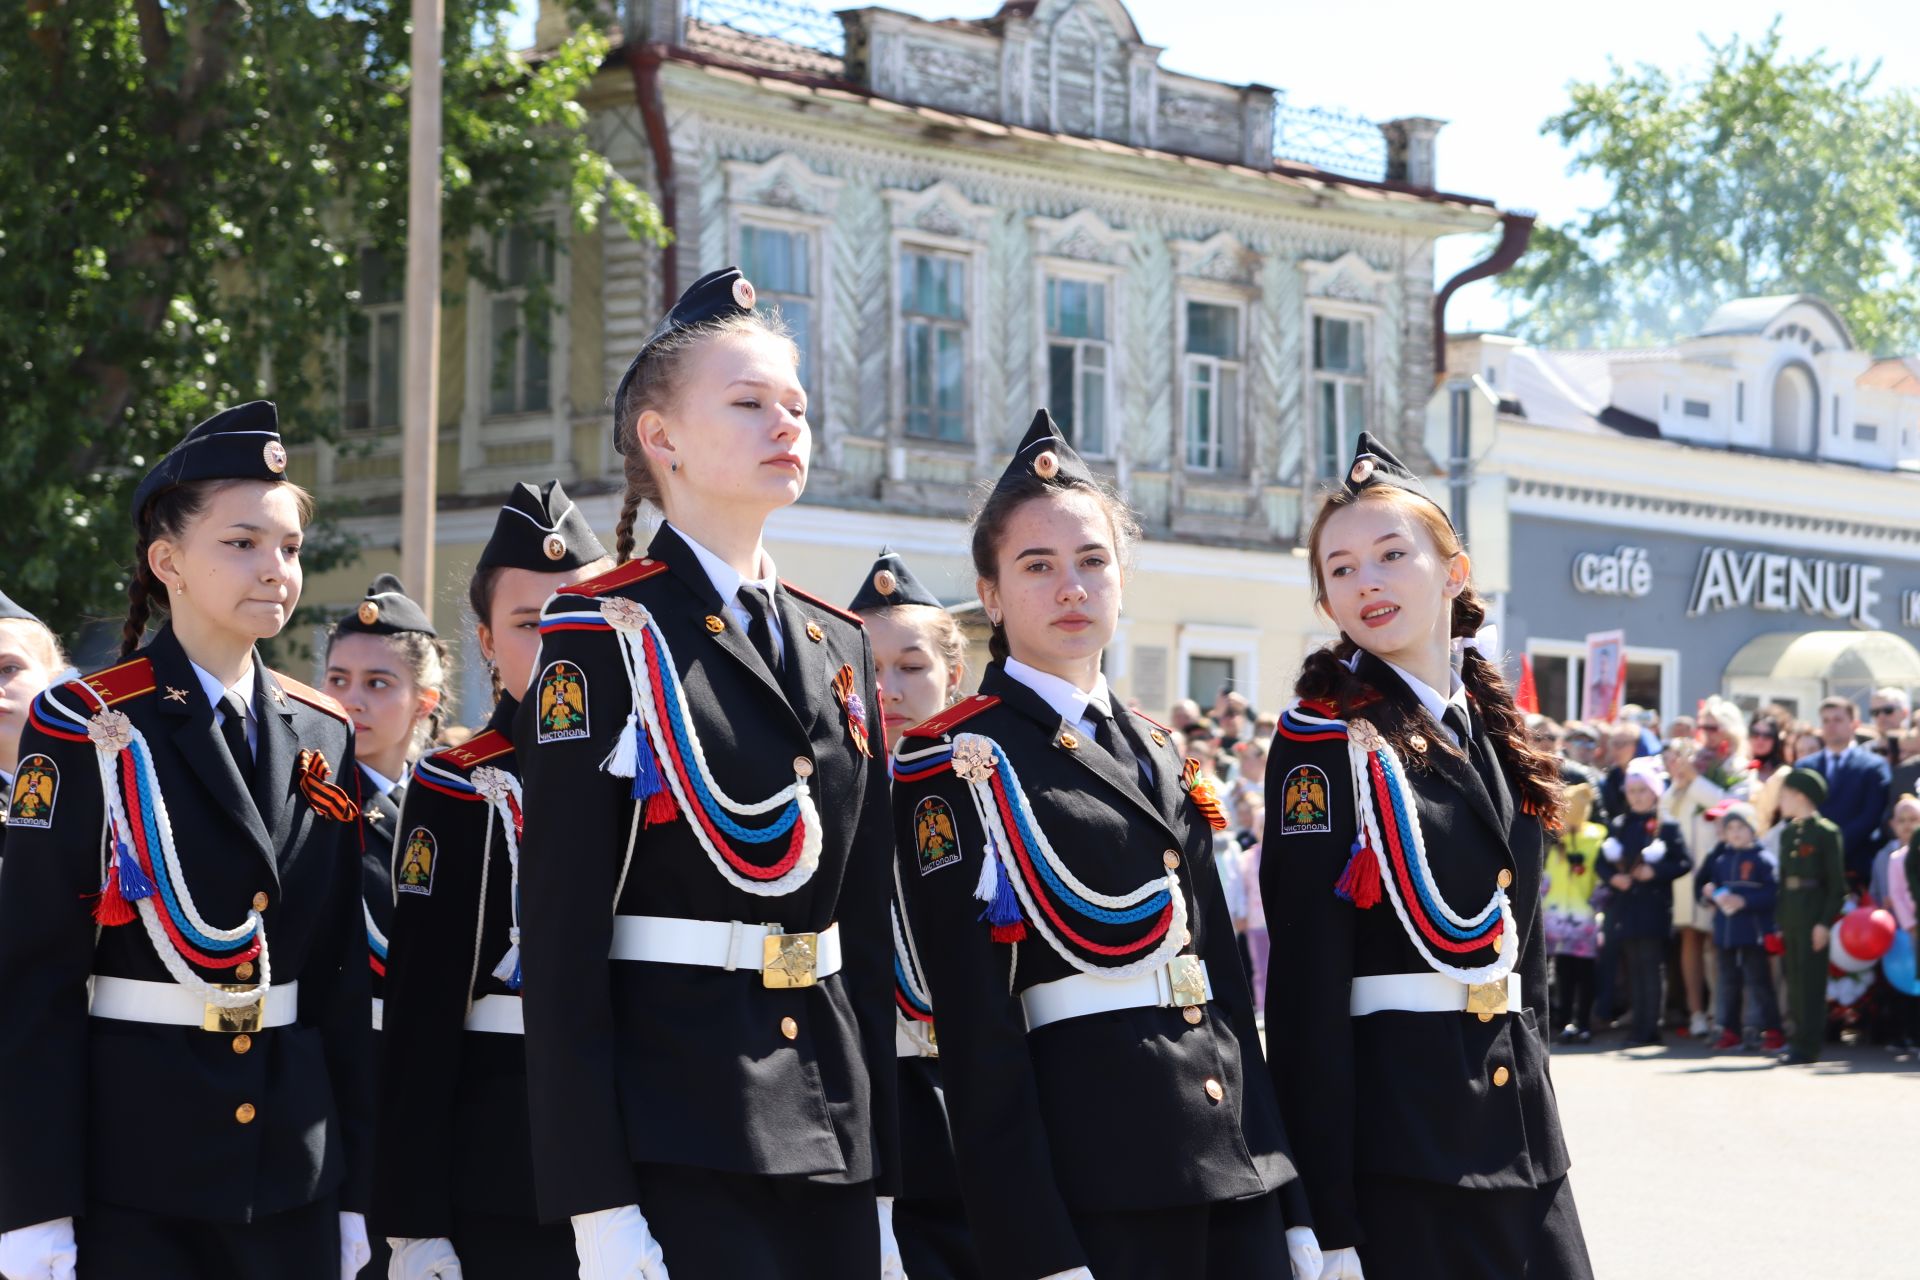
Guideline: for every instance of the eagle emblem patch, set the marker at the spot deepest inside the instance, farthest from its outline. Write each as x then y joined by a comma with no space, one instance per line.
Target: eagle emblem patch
934,840
563,703
1304,802
36,786
417,861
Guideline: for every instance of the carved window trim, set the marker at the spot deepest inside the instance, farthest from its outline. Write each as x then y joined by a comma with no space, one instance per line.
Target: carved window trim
1319,463
482,430
1113,279
1241,299
818,230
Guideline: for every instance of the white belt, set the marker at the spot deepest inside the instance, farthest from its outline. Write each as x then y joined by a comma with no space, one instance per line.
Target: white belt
170,1004
1183,981
379,1012
500,1015
1419,993
781,959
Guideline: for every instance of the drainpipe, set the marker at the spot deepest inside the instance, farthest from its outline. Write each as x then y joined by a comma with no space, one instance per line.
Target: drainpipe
1516,232
653,116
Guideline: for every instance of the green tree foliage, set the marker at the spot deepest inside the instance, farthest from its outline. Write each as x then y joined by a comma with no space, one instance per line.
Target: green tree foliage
1758,174
185,187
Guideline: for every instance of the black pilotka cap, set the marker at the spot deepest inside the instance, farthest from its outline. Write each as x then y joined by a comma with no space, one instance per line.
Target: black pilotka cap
241,443
386,611
1045,453
889,582
1374,464
714,296
10,610
542,530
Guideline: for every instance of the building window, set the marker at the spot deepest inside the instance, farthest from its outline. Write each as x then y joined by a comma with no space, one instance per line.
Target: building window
779,262
1696,408
1214,356
371,396
1559,668
1866,432
520,325
1077,361
1207,675
933,315
1339,387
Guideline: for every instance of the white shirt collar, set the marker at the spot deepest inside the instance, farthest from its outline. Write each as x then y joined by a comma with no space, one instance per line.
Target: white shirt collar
1430,697
381,782
217,692
1065,697
726,579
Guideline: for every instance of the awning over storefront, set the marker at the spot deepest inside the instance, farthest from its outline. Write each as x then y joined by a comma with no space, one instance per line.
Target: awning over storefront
1804,666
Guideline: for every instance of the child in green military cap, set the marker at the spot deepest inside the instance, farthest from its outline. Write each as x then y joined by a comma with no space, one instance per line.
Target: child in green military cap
1812,890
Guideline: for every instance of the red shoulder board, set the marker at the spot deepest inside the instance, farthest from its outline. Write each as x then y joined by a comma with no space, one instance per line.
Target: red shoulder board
1324,709
816,601
1150,720
621,576
953,717
477,750
120,683
312,697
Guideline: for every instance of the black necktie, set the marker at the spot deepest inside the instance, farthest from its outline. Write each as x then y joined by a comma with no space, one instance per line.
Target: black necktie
760,629
1456,720
234,729
1114,742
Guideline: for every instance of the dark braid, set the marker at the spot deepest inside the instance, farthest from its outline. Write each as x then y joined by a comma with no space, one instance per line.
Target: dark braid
140,586
629,512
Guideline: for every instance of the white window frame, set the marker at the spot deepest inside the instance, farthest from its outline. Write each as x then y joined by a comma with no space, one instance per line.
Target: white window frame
1240,302
1239,644
1321,465
1668,660
1046,269
973,254
372,313
817,230
480,430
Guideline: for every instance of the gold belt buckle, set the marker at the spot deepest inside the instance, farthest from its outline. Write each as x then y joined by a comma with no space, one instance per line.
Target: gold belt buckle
1487,999
247,1019
1188,977
789,960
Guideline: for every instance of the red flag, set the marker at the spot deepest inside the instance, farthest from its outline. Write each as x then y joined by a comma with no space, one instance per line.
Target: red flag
1526,697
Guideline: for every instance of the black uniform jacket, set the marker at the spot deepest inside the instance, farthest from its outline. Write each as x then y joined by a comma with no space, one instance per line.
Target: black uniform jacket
631,1062
1103,1112
147,1116
379,818
926,1143
1405,1094
453,1102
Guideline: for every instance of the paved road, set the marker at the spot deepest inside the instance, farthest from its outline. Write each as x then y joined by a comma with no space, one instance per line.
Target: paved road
1693,1166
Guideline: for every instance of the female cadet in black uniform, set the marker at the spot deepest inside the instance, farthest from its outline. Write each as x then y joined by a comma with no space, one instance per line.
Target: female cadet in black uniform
1110,1114
30,660
454,1164
1407,988
919,657
704,884
206,1115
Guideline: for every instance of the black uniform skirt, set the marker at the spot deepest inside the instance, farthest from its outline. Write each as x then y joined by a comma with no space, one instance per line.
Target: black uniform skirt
934,1241
743,1226
1425,1231
129,1244
1228,1240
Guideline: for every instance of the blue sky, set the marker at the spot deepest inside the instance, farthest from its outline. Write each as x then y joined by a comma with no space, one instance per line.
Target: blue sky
1494,72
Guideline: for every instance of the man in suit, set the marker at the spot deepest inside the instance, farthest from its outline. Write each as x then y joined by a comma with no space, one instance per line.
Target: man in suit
1857,781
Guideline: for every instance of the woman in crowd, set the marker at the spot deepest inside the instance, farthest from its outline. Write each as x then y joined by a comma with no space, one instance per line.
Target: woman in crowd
1097,1036
1407,998
184,1079
705,865
30,660
454,1186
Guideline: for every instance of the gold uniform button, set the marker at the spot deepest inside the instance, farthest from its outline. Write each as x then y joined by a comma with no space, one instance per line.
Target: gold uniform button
243,970
814,633
714,624
1418,742
1216,1090
242,1043
1159,738
244,1113
1068,741
1500,1077
1192,1014
802,767
1486,1017
789,1028
1504,879
260,902
646,562
1170,859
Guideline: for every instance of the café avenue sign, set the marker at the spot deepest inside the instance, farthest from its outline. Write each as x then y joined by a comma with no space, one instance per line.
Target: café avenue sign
1775,583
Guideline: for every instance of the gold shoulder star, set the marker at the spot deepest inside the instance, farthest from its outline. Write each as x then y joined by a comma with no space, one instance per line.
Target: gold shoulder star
176,695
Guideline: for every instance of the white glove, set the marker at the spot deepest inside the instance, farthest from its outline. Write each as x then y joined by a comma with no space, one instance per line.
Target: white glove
43,1251
355,1252
1303,1251
1341,1264
1610,849
1655,850
1078,1273
614,1244
425,1258
891,1266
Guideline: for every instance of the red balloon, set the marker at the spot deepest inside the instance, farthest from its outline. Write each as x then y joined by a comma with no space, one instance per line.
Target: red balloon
1868,934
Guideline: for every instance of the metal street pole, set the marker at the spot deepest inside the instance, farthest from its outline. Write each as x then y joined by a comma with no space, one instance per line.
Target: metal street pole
421,417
